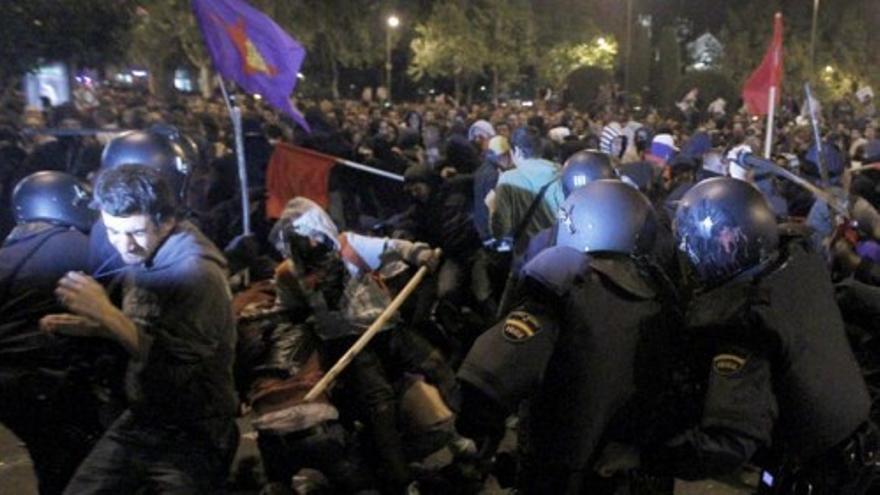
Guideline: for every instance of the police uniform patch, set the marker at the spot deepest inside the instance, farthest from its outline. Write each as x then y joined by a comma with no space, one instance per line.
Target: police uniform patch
727,364
520,326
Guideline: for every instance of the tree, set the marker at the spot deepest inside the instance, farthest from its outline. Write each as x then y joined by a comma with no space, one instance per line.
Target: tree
566,38
192,43
848,53
669,68
712,84
843,42
641,59
563,21
745,36
464,40
156,41
509,37
565,58
336,33
78,32
449,44
583,85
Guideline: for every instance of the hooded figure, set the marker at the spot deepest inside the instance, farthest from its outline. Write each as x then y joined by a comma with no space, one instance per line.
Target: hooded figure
340,279
363,297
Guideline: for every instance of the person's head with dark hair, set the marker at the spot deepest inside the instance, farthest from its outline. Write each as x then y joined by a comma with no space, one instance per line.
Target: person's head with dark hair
317,120
274,133
420,181
138,208
537,122
527,143
591,142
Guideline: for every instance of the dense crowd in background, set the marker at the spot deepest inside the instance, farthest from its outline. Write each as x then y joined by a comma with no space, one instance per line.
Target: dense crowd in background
394,136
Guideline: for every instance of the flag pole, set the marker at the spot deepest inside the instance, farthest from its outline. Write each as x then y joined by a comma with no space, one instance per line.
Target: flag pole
771,106
369,170
817,136
235,115
346,163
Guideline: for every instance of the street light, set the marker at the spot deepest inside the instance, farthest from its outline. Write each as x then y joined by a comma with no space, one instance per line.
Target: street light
629,41
393,23
813,36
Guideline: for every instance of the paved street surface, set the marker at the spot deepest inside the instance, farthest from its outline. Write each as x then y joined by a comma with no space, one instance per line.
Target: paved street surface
16,477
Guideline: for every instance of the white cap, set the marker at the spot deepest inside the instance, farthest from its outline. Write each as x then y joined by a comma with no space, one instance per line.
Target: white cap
558,134
737,171
480,128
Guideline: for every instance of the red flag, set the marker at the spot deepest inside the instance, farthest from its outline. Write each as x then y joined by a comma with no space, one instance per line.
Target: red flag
295,171
756,92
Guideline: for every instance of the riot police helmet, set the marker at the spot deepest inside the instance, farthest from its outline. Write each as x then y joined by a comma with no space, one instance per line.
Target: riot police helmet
186,143
607,216
583,167
152,148
724,227
55,197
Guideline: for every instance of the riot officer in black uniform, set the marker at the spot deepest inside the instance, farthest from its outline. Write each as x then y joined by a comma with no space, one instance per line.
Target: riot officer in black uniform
767,332
46,382
569,348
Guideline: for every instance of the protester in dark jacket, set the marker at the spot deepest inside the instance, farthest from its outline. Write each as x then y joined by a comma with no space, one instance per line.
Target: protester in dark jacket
442,216
176,322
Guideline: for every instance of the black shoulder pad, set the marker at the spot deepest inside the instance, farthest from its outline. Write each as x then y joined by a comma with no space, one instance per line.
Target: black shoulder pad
625,275
556,268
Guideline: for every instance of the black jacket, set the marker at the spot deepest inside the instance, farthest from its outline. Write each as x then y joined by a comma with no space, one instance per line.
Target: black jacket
181,304
571,351
32,260
780,372
446,220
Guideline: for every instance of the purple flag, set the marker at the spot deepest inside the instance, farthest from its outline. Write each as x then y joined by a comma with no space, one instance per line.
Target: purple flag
249,48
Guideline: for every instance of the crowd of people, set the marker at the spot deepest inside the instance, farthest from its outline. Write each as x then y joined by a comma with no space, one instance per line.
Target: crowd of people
632,296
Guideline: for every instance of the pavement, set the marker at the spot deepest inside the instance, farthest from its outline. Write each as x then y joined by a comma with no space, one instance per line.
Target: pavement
16,475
